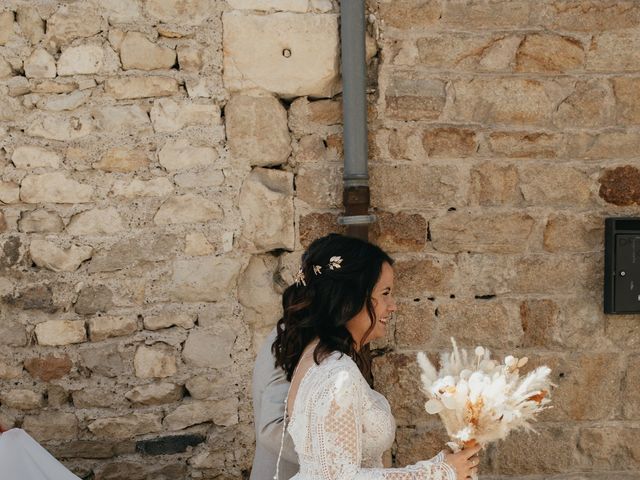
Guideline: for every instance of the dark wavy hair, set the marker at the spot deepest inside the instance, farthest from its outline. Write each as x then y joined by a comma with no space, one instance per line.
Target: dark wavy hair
323,306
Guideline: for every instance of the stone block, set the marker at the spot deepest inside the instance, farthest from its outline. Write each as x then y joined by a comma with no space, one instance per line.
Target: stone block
552,451
8,371
314,117
631,394
549,53
510,101
98,397
610,448
32,297
409,14
555,185
619,185
196,244
48,255
300,6
123,428
472,232
123,160
81,60
205,279
7,27
138,52
301,60
425,277
449,142
51,426
188,208
257,130
60,332
493,183
525,144
399,232
93,299
415,321
120,11
166,320
97,221
205,387
91,449
141,87
158,361
70,22
482,319
209,347
105,360
101,328
155,394
590,105
180,155
462,51
122,119
48,367
61,127
601,145
169,445
69,101
397,377
40,64
156,187
540,320
190,58
266,207
22,399
40,221
54,188
627,103
413,186
9,192
574,233
222,412
414,96
481,15
605,55
319,187
132,252
589,16
187,12
167,115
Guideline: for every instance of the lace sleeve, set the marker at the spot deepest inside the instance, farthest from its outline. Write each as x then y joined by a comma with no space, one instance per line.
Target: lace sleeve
337,437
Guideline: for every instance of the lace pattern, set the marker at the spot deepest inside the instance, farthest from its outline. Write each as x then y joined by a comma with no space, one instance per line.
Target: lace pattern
341,428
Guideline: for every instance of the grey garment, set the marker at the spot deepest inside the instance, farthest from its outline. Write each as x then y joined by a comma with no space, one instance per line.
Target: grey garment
270,388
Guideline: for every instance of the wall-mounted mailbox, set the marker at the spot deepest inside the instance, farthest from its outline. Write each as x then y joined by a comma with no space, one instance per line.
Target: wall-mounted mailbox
622,265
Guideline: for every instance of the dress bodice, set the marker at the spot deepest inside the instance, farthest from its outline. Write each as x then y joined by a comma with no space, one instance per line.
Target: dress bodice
341,427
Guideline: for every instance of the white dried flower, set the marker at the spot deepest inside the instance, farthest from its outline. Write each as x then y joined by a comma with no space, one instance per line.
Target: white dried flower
299,278
335,262
317,269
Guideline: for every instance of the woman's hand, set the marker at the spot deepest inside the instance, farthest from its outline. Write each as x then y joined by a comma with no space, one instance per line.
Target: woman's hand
465,462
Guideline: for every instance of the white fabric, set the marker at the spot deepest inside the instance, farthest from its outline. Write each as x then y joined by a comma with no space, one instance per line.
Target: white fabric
22,458
341,427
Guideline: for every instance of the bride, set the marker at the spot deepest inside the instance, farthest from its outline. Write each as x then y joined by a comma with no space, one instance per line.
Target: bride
341,300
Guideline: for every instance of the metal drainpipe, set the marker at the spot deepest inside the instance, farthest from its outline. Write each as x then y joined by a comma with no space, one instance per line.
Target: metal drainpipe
355,195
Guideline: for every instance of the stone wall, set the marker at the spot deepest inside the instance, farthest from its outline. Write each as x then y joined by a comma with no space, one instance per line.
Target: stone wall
165,162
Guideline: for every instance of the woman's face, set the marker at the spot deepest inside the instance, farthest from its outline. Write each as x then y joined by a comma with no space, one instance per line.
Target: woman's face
383,305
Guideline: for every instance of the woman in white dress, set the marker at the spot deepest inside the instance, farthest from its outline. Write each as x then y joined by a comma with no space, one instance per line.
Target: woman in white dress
342,299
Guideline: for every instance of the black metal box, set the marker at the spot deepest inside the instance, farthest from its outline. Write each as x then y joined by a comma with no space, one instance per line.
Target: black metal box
622,265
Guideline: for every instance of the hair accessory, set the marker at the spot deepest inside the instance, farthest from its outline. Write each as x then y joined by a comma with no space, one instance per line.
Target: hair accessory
299,278
334,264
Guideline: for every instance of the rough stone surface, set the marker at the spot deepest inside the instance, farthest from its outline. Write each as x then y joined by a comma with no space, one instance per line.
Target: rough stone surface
49,367
95,222
40,64
40,221
266,206
155,394
224,413
209,348
123,160
81,60
121,428
257,130
188,208
157,322
204,279
137,52
22,399
48,255
56,426
168,115
179,155
301,60
141,87
102,328
620,185
54,188
60,332
154,362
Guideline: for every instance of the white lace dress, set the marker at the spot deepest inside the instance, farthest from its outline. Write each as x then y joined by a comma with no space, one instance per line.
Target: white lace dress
341,428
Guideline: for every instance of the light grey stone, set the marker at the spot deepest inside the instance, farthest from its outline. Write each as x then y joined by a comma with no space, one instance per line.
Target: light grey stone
137,52
209,348
33,157
188,208
167,115
101,328
155,394
96,222
40,221
48,255
59,127
224,413
81,60
54,188
157,361
22,399
60,332
40,64
205,279
254,58
166,320
180,154
156,187
123,428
